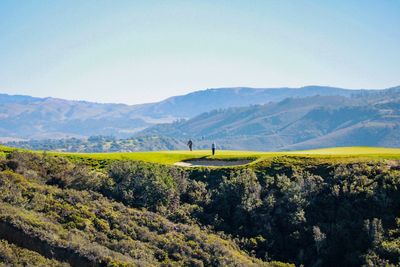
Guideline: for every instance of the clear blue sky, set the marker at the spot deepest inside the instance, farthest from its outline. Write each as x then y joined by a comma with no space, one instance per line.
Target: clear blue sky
134,52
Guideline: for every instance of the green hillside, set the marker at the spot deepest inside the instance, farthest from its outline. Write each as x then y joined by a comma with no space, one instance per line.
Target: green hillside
99,231
325,207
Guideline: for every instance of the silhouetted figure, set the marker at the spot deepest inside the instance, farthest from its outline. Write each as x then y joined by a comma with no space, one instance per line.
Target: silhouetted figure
190,144
213,147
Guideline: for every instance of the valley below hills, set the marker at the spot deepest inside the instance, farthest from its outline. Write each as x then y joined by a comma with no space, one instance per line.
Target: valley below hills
233,118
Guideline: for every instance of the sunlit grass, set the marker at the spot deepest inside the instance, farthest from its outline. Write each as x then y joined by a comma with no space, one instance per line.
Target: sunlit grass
354,150
171,157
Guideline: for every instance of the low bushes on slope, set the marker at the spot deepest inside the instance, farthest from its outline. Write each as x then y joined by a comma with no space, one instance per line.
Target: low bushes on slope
104,232
11,255
317,212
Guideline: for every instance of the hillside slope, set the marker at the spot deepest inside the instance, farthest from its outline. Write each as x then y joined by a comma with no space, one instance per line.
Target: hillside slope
308,211
83,228
296,123
192,104
28,117
38,118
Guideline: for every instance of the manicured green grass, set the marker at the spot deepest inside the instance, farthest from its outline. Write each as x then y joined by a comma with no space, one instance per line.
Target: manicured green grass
171,157
354,150
350,153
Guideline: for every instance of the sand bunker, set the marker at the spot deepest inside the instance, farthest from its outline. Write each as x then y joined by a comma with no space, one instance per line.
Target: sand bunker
212,162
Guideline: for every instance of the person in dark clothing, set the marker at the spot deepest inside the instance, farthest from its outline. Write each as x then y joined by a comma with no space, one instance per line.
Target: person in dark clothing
190,144
213,147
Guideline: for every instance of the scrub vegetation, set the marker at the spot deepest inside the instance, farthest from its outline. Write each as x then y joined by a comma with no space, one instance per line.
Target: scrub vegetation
316,208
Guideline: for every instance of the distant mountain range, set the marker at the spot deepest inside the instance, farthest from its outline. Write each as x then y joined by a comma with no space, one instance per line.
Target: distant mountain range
367,118
236,118
190,105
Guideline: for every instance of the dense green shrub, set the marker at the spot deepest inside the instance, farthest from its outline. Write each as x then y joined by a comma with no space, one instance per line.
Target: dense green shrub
316,212
146,185
104,231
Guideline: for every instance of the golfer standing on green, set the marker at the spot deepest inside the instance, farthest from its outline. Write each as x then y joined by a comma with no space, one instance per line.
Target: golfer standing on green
213,147
190,144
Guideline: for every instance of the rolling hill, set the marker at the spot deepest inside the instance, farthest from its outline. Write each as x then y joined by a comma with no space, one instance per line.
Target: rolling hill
193,104
25,117
30,117
296,123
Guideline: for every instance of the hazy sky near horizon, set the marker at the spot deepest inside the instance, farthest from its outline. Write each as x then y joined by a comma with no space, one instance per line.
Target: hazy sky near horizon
144,51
